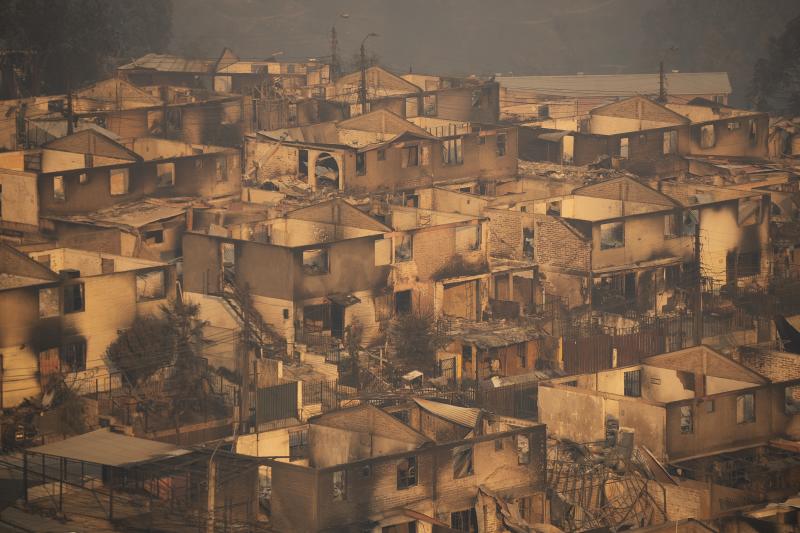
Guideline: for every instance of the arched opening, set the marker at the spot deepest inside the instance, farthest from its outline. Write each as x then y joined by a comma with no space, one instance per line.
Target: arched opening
327,171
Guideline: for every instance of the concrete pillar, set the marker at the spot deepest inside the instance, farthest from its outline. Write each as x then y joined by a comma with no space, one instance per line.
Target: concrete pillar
312,169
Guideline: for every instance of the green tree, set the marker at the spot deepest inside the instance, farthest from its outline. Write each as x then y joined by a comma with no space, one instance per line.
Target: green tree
79,41
153,342
416,337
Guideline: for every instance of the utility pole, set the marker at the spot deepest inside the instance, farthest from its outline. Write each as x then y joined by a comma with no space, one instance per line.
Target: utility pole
362,92
662,87
697,307
70,111
334,54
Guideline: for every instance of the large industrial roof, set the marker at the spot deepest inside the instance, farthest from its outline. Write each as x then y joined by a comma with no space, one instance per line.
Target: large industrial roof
588,85
170,63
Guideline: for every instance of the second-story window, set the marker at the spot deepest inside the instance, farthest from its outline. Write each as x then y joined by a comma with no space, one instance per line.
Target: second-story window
315,261
745,408
501,144
671,229
382,154
687,420
59,195
339,485
73,356
150,285
452,152
407,472
411,156
119,181
403,248
633,383
612,235
166,174
298,445
462,462
221,168
74,298
49,304
361,163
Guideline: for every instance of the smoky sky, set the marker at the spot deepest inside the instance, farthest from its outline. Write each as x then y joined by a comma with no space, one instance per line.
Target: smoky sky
462,37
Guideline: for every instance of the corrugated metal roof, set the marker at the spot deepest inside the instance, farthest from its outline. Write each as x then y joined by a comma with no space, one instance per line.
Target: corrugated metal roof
170,63
105,447
678,83
463,416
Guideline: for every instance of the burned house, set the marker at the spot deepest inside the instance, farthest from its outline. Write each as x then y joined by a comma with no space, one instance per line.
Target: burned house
68,306
84,184
418,95
180,113
420,466
227,74
495,349
381,151
440,262
648,138
682,406
312,271
637,247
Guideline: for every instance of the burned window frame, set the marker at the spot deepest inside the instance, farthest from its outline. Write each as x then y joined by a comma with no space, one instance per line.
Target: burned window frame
361,163
466,520
403,249
707,136
123,174
605,229
453,151
221,168
403,415
381,154
162,169
407,473
339,485
430,105
501,143
672,227
54,302
669,142
791,399
463,461
632,383
686,421
749,211
81,298
316,268
59,192
161,289
411,156
624,147
746,408
522,443
70,359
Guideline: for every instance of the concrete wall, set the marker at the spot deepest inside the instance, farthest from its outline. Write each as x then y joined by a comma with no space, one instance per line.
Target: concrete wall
581,415
644,241
20,201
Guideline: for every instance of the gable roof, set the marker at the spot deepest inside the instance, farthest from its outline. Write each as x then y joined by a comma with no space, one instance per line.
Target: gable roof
338,211
380,84
624,188
640,107
704,360
113,93
610,85
226,59
367,418
92,142
19,270
382,121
